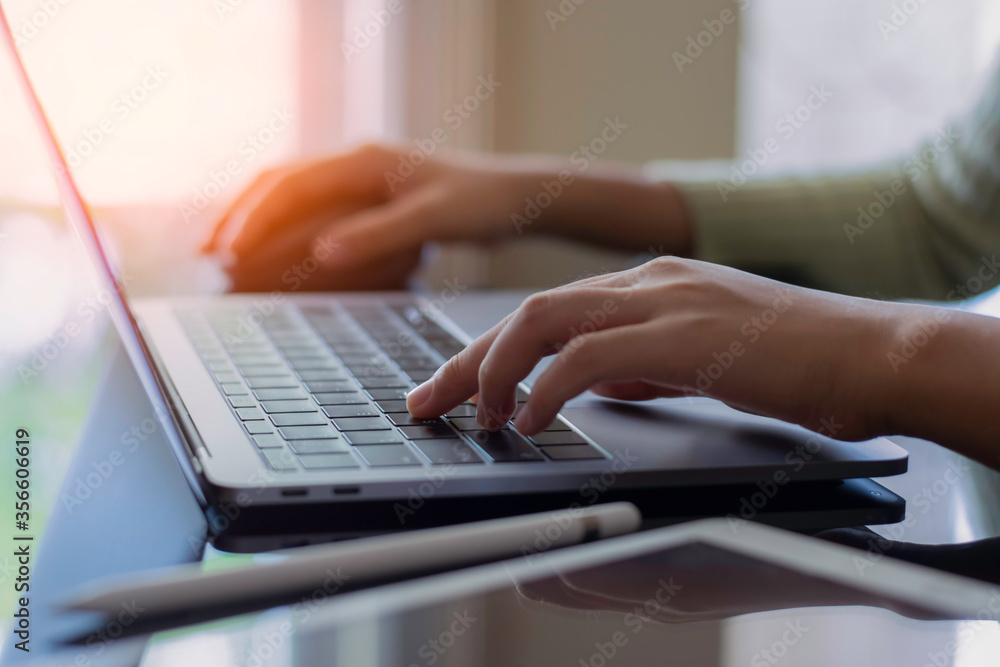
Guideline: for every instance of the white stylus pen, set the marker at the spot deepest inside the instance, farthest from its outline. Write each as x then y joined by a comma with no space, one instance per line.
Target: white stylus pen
355,563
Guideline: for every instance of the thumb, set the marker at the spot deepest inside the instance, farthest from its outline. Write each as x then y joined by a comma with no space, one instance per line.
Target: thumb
380,231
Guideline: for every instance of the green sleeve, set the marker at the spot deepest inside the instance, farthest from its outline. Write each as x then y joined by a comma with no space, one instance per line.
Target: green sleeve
927,229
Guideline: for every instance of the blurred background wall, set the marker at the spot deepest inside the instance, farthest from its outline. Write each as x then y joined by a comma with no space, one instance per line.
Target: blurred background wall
606,59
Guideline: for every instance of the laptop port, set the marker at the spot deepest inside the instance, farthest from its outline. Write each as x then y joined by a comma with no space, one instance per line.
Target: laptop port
293,493
346,490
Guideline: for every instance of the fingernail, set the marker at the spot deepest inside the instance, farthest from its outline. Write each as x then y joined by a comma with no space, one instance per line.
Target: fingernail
227,260
488,418
419,396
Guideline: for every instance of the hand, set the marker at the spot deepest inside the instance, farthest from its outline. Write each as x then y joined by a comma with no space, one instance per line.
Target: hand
673,327
353,220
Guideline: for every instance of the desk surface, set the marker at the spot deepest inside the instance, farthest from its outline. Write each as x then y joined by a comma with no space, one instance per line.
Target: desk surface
143,516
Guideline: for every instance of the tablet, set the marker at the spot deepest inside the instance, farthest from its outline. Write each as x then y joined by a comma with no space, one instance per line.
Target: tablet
710,592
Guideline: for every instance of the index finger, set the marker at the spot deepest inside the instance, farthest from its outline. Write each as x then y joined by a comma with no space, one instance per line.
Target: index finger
249,194
456,380
301,190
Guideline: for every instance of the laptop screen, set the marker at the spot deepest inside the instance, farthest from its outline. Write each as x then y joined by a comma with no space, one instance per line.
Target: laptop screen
79,218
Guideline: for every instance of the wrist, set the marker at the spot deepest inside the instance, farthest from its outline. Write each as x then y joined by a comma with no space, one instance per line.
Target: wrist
941,384
886,386
611,204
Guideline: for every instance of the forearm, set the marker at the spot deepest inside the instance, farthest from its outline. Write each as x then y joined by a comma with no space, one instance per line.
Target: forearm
614,205
861,235
942,380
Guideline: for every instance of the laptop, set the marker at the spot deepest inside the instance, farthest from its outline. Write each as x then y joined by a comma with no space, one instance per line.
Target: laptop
278,401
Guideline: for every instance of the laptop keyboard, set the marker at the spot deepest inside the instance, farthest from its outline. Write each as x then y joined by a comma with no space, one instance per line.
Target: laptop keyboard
324,387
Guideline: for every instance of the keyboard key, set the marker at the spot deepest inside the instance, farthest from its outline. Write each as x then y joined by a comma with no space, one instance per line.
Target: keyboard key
233,388
264,369
350,345
388,455
369,366
572,452
351,349
242,402
279,459
293,339
462,411
280,394
332,386
557,425
354,354
447,349
220,366
372,437
229,336
299,419
325,461
258,427
505,446
307,432
447,450
466,424
392,405
406,419
345,398
558,438
264,381
272,407
422,363
249,414
227,377
522,395
324,446
306,353
365,410
420,375
268,441
249,346
361,423
314,364
388,394
322,374
384,382
427,431
246,360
